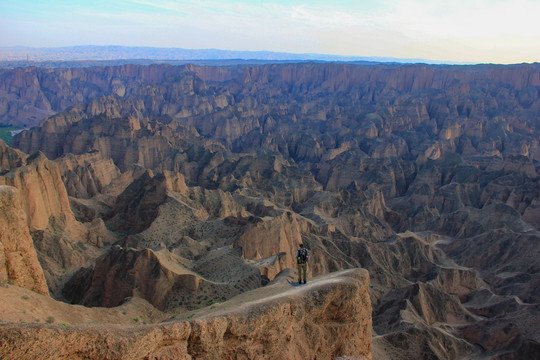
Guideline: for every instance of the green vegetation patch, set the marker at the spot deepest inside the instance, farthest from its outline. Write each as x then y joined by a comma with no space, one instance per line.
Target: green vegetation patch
5,133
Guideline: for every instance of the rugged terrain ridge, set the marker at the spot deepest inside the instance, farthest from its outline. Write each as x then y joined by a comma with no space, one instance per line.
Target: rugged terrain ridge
276,322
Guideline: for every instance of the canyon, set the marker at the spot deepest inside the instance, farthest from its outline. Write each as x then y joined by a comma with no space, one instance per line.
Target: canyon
184,189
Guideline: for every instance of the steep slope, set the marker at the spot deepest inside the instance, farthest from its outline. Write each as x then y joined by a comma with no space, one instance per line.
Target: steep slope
43,193
10,158
18,260
63,244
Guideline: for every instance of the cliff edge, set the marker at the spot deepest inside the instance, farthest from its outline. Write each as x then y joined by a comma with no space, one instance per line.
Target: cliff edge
327,318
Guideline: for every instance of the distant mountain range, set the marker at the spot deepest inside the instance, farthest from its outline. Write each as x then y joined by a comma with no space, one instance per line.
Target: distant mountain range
91,52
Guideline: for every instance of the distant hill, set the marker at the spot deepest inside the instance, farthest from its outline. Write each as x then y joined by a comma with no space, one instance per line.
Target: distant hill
70,64
90,52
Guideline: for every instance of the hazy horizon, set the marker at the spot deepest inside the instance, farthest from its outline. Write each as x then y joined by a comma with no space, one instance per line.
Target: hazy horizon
481,31
122,52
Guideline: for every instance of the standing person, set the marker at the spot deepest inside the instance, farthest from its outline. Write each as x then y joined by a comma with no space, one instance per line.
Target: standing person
302,256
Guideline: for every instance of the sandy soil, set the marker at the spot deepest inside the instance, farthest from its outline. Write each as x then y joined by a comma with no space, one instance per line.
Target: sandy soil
22,305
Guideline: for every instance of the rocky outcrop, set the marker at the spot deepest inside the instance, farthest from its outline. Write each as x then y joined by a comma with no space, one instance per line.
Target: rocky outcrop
326,319
60,240
86,176
508,325
139,205
503,337
45,92
420,342
481,193
18,260
274,241
43,194
10,158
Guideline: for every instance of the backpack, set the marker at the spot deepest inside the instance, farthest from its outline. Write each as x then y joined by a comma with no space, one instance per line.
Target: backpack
302,256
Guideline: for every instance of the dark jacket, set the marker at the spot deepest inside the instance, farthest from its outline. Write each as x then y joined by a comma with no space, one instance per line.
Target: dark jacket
302,256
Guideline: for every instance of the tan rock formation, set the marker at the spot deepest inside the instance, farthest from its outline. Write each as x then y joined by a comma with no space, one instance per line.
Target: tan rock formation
459,282
18,259
42,191
278,237
329,318
86,175
160,201
166,280
56,234
10,158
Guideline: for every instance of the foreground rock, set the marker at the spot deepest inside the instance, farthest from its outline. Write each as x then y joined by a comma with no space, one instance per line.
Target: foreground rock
328,318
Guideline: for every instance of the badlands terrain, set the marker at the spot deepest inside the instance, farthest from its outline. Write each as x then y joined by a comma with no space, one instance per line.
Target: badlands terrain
162,205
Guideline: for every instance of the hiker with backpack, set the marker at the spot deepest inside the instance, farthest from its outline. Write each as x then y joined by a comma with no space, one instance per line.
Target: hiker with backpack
302,256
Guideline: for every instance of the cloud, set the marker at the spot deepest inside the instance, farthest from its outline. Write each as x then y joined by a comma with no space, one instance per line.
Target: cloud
464,18
462,30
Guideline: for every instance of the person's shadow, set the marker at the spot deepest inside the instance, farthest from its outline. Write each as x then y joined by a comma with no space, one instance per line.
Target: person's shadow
293,283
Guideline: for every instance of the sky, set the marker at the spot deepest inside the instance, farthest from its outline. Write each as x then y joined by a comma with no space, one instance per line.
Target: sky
494,31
